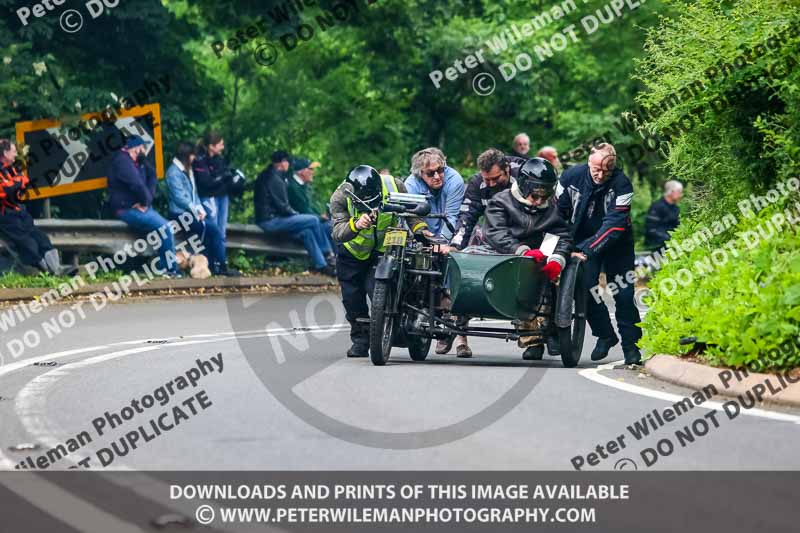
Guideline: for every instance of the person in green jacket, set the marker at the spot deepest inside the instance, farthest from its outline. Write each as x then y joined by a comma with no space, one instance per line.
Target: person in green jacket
301,195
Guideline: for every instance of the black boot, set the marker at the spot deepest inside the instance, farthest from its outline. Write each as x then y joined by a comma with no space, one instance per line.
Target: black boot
603,346
359,336
533,353
632,355
553,347
358,350
229,272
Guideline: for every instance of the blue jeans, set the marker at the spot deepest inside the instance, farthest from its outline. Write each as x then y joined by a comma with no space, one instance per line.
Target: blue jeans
217,211
306,228
150,221
327,227
212,240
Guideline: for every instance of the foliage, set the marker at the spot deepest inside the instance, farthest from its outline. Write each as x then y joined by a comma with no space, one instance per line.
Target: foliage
744,147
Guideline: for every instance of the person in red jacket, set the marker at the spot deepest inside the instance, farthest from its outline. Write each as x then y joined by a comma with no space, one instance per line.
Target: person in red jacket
31,244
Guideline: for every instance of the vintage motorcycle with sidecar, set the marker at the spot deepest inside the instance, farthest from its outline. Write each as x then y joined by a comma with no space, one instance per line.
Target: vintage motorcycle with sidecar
411,278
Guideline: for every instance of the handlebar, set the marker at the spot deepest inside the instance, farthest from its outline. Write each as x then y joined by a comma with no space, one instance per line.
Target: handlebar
419,210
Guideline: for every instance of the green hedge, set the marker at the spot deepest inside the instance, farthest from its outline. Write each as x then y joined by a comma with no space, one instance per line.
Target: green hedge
741,136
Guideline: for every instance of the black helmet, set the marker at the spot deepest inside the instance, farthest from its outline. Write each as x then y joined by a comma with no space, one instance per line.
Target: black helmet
537,175
366,184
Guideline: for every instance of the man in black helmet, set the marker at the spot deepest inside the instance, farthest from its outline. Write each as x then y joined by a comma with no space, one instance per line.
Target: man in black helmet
517,222
358,228
596,198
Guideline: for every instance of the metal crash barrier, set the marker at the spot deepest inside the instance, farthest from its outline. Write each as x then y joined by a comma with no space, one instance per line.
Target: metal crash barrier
109,236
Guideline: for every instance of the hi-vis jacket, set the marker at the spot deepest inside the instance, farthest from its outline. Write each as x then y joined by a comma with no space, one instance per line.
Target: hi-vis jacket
361,243
575,188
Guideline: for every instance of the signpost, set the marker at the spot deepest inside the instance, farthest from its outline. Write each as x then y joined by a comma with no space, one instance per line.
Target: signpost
67,161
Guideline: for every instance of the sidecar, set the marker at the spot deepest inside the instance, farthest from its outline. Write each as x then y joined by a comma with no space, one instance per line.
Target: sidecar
411,279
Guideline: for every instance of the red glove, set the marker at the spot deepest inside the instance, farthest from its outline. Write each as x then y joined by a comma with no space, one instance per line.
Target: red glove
552,270
537,255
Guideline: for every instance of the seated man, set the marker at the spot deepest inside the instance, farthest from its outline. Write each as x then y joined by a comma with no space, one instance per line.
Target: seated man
430,175
16,224
301,195
275,215
131,191
517,221
496,172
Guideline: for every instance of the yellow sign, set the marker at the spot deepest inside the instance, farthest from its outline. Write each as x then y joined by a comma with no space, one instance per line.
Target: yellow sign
395,238
76,160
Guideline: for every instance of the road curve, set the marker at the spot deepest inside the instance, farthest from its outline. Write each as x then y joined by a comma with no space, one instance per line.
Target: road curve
287,398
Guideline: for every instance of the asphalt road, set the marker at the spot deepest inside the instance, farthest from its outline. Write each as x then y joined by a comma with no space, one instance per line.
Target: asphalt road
289,399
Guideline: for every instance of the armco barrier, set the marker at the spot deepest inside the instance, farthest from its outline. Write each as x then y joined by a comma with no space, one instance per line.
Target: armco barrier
108,236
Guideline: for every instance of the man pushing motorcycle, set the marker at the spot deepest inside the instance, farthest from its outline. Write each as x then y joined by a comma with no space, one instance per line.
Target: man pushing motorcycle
359,227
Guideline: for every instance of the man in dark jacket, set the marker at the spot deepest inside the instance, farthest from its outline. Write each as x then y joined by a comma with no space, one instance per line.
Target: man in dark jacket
274,214
496,172
131,188
517,222
596,198
663,216
32,245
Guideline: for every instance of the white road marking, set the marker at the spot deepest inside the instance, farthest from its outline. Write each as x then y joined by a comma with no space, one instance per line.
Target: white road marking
79,514
31,409
593,374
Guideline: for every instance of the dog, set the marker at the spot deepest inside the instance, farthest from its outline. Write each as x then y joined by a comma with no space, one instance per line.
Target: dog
197,265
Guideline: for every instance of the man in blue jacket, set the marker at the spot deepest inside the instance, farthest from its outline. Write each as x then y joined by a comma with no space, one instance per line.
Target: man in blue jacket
596,198
430,175
131,188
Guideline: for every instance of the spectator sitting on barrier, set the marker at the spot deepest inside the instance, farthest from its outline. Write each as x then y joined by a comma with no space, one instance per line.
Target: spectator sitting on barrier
16,225
131,188
183,198
663,216
301,195
551,154
522,145
275,215
211,172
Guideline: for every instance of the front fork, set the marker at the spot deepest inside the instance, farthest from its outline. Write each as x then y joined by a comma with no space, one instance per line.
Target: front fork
390,264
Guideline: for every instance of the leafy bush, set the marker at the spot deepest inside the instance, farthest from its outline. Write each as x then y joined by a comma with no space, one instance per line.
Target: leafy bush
749,307
744,300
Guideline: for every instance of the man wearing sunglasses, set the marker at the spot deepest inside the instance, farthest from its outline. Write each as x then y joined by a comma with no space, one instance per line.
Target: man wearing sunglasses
517,221
496,173
596,198
430,175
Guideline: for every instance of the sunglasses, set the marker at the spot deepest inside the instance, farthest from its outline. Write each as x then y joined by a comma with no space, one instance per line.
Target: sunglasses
432,173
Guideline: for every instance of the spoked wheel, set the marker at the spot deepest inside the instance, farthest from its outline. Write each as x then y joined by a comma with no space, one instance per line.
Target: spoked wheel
418,347
381,328
571,315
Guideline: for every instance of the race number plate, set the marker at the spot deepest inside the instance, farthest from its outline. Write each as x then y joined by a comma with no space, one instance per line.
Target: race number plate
395,238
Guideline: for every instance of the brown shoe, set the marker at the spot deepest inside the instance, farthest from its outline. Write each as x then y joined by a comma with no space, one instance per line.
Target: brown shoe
443,345
462,349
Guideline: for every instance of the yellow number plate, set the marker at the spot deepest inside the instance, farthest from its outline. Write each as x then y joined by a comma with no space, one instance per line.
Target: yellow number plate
395,238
